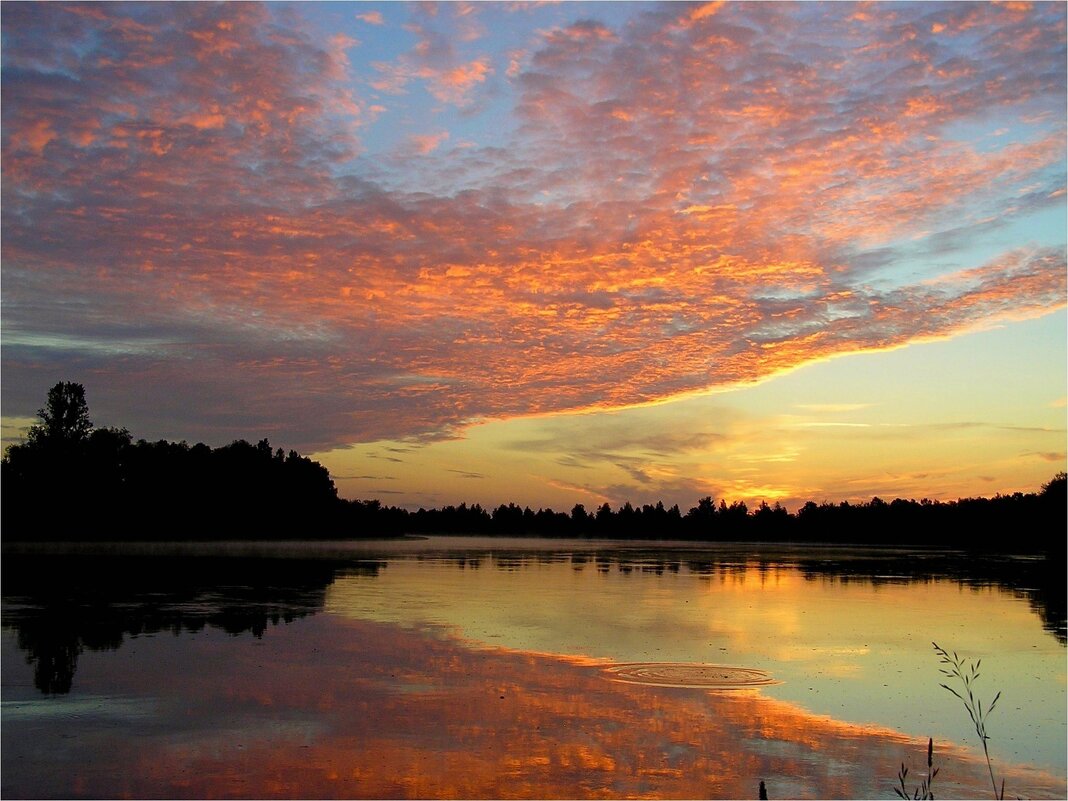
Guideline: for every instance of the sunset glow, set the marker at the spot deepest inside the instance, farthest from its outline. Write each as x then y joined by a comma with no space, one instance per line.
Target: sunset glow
477,724
553,254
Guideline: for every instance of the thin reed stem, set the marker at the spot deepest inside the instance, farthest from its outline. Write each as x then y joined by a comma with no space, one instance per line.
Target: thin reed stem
966,674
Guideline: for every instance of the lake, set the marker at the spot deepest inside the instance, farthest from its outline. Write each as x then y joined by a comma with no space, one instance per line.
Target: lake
492,668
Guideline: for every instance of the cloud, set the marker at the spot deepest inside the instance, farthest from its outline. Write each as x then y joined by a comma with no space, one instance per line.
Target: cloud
465,473
371,18
688,201
832,425
610,437
427,143
833,407
433,60
1051,456
449,85
453,85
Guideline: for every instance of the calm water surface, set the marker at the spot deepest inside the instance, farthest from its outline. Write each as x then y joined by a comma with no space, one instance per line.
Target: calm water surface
476,668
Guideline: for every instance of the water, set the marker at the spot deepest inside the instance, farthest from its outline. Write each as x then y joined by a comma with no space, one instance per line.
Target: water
476,668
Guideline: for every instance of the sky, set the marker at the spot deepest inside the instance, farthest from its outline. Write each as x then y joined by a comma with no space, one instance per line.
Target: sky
550,253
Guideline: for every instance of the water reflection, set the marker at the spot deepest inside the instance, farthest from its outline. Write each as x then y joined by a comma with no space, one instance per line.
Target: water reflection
384,712
854,647
1040,580
477,670
61,605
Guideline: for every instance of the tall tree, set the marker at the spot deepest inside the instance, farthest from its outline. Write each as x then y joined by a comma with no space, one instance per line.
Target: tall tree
65,416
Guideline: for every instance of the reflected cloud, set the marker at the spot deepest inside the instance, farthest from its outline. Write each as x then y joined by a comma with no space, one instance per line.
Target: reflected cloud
456,667
402,714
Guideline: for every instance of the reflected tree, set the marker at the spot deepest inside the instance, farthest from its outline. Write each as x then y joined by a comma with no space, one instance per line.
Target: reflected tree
60,604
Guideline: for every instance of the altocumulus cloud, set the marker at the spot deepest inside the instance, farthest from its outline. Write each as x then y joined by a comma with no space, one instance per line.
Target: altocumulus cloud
699,196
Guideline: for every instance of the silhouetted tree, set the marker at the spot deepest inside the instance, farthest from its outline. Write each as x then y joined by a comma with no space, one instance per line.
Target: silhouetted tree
71,481
700,519
580,518
771,522
1056,489
64,417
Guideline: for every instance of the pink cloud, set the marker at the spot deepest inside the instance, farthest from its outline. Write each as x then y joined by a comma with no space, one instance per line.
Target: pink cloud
684,206
433,61
339,44
35,136
582,31
454,85
449,85
429,142
371,18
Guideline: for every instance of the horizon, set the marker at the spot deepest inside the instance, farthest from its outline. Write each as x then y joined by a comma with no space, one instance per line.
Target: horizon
276,453
551,254
684,508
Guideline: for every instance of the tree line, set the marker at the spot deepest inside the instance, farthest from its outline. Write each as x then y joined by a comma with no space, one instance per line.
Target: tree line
71,481
1027,522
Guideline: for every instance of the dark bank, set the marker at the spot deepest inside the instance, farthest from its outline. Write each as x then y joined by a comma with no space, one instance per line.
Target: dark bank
70,481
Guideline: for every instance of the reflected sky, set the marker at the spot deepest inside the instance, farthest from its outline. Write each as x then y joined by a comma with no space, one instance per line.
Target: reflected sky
843,646
474,669
329,707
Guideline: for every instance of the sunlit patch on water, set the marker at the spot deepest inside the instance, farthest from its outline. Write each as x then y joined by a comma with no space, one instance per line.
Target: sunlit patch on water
684,674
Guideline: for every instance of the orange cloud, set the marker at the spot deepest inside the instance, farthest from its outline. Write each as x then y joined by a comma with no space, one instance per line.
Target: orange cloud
678,208
705,10
449,85
36,136
453,85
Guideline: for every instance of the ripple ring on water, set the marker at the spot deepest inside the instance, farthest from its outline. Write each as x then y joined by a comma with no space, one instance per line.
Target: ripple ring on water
688,674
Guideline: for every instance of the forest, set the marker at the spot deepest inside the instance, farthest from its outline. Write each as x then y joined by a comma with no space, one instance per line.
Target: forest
70,481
